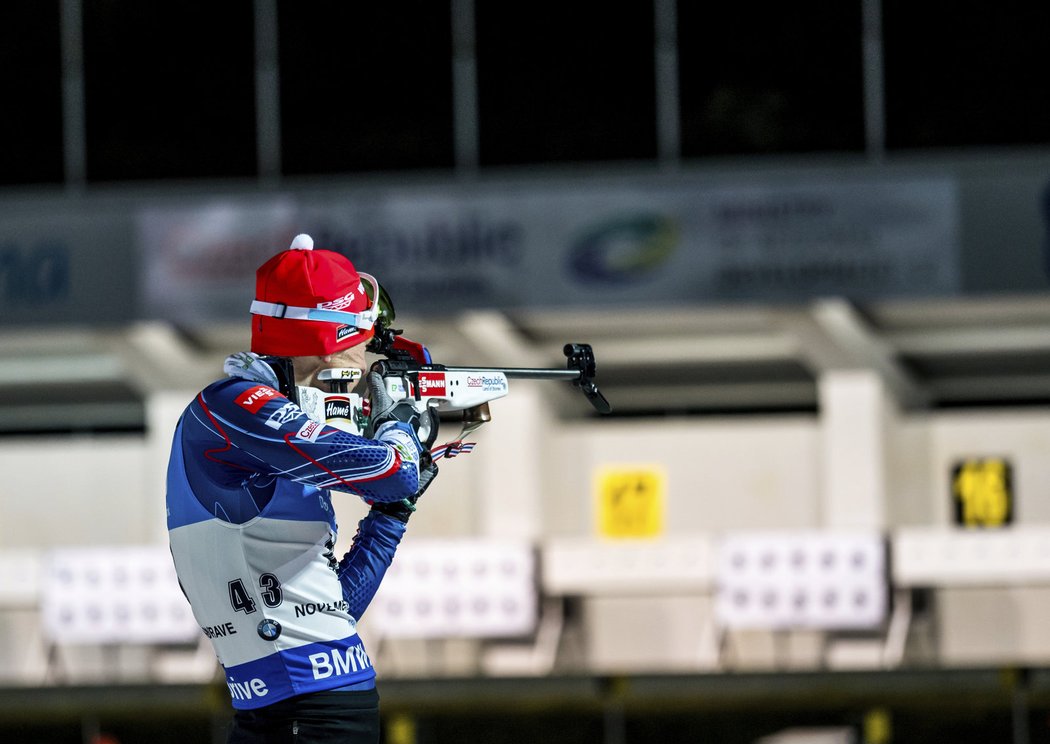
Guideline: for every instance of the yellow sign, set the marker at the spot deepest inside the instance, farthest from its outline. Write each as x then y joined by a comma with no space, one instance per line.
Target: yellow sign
631,502
982,491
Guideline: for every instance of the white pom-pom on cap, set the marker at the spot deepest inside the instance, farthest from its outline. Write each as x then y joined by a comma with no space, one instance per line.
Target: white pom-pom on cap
302,242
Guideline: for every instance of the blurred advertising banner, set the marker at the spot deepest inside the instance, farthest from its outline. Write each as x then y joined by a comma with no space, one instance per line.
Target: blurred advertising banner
199,261
556,244
64,267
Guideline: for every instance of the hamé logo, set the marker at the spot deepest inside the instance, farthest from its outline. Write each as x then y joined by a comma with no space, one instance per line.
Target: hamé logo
336,408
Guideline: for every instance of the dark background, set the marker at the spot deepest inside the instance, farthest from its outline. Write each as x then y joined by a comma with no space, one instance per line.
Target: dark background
368,87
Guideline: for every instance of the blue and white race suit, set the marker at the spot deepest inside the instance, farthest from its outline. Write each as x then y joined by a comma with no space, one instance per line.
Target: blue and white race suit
252,533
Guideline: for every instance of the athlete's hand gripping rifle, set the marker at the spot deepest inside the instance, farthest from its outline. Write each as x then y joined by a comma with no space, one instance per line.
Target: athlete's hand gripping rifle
434,389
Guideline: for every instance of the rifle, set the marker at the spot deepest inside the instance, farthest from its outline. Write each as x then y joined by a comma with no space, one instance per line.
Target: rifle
434,389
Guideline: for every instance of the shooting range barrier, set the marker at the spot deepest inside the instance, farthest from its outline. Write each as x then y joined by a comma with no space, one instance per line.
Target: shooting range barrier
115,598
438,592
986,591
613,593
696,602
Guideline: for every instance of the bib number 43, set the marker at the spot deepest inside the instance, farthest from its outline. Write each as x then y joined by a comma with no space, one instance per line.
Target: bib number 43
269,591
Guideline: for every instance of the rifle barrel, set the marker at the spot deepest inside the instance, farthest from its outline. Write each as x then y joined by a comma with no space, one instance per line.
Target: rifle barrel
523,373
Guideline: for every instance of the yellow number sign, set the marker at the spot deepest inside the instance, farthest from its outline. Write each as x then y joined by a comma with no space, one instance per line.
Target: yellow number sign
631,502
983,492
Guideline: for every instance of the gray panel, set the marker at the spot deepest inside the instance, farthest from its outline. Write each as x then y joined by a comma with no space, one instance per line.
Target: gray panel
66,262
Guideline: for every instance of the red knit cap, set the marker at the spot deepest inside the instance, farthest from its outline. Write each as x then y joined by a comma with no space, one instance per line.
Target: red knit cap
301,282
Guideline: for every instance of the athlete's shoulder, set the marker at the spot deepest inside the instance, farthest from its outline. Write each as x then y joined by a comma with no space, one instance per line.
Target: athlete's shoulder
243,394
250,404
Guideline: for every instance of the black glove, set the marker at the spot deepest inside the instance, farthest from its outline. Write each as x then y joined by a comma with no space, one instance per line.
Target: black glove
385,410
402,510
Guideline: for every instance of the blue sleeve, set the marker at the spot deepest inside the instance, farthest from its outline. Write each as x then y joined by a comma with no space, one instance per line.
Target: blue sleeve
364,565
238,429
